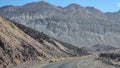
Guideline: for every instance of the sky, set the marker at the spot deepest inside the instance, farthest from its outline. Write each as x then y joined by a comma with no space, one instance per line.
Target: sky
103,5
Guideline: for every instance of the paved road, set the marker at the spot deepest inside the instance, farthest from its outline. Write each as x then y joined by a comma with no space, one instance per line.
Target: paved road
79,63
64,64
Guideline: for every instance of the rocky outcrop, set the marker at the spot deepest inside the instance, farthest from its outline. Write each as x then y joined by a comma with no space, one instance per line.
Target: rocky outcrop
112,58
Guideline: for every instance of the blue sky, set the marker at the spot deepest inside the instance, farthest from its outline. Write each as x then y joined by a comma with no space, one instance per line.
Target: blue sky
103,5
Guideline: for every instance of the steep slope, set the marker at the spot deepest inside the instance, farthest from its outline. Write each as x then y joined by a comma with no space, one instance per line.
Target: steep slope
56,44
73,24
17,47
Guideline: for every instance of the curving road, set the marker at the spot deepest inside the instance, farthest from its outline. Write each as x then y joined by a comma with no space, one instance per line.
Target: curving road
88,62
64,64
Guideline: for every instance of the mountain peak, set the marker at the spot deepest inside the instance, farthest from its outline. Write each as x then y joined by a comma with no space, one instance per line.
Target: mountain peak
44,2
40,3
74,5
92,9
7,6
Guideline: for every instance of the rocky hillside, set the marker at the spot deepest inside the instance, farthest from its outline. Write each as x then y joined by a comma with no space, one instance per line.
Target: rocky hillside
81,26
59,45
115,16
17,47
99,48
111,58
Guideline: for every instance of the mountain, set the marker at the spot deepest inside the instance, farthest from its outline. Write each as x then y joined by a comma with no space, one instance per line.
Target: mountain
113,16
99,48
74,24
22,44
60,45
103,48
111,58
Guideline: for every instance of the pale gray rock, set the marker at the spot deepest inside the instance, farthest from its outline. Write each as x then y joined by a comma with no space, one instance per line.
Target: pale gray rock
80,26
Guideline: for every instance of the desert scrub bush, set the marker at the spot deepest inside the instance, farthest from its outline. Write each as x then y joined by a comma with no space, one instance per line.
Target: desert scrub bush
53,60
40,58
17,61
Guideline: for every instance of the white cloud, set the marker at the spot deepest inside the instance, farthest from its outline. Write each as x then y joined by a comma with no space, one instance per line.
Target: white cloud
118,4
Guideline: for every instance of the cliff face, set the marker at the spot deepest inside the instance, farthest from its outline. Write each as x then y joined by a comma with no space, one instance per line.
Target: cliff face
73,24
21,44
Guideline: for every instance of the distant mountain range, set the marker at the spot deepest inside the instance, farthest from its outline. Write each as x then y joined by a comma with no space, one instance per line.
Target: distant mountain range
22,44
74,24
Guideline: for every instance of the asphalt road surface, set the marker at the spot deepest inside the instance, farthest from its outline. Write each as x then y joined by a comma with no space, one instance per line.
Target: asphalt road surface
64,64
88,62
